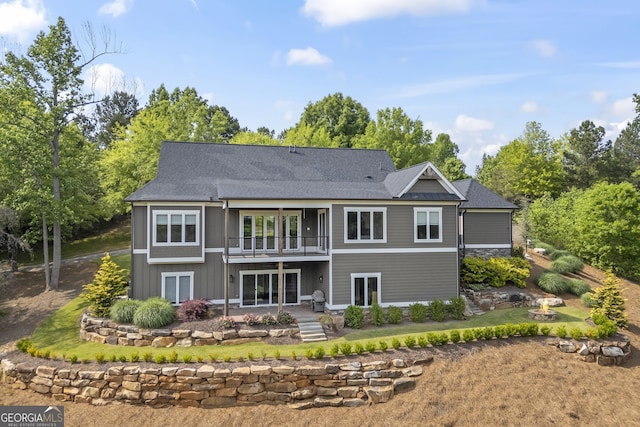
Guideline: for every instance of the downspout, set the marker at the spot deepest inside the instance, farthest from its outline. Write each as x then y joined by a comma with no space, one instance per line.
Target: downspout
225,261
280,263
459,226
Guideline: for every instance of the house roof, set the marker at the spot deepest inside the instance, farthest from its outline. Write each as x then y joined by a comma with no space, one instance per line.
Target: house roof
480,197
190,171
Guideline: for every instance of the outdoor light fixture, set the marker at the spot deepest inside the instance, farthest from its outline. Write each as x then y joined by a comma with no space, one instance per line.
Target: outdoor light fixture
231,278
321,278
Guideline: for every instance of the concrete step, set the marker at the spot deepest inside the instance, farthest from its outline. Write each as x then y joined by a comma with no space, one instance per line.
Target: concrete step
311,332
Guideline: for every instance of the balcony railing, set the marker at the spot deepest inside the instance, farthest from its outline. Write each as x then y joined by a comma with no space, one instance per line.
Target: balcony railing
270,246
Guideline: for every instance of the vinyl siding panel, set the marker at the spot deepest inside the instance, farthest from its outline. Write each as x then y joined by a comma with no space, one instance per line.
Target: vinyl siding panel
139,227
214,227
487,228
427,186
405,278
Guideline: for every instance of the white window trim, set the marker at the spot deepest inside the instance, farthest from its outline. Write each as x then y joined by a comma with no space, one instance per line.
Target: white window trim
286,213
365,276
415,225
175,212
269,272
177,274
370,210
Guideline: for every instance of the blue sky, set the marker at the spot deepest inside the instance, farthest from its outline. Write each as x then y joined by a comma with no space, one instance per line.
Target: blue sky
478,70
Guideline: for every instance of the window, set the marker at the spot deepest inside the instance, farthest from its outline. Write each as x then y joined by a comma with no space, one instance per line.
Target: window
365,225
365,288
260,288
427,224
177,287
259,231
176,228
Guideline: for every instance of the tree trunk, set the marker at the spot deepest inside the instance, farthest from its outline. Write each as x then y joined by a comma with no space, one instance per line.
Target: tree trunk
57,238
45,247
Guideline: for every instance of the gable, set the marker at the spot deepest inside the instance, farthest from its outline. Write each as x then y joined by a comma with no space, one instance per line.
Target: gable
427,185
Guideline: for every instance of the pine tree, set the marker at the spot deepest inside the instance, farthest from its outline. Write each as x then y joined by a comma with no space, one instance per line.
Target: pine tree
108,284
608,302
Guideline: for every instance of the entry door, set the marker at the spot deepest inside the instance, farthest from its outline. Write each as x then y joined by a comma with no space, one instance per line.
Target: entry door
366,289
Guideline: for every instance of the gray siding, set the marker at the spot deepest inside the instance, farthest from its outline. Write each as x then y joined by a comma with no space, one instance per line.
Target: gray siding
427,185
487,228
214,227
400,225
139,227
175,251
405,278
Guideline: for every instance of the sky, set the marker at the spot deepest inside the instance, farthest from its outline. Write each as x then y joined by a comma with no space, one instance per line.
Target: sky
478,70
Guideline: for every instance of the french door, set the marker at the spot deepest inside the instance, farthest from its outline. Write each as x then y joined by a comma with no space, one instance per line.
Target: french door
365,289
260,288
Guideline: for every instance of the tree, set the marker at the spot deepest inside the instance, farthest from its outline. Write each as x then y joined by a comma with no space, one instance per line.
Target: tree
112,112
608,301
132,159
586,155
305,135
10,238
42,94
529,166
403,138
444,155
342,118
108,284
253,138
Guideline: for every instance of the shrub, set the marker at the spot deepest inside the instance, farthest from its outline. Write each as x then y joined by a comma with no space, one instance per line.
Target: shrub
161,358
345,349
285,318
383,345
608,301
214,356
354,316
456,307
147,356
561,331
417,312
187,358
334,351
135,357
517,252
359,349
113,358
443,338
227,322
495,272
269,319
293,355
607,329
394,314
276,354
437,310
454,336
250,319
578,287
548,248
395,343
510,329
108,284
552,283
567,264
99,358
558,253
545,330
226,358
200,359
319,353
193,309
24,344
576,333
487,333
173,357
423,341
528,329
73,359
250,356
377,314
154,313
122,311
498,331
309,354
370,346
468,335
410,342
587,299
122,358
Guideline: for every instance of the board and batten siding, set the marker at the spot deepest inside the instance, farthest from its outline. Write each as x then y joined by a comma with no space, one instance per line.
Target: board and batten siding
175,251
405,278
487,228
427,185
400,228
139,227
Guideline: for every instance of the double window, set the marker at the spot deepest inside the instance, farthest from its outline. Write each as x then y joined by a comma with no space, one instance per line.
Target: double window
175,228
365,288
260,231
427,224
177,287
365,225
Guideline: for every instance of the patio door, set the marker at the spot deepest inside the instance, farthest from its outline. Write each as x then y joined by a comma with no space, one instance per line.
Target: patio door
365,289
260,288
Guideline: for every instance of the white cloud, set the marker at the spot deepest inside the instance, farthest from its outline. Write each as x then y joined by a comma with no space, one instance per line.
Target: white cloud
308,56
465,123
530,107
598,96
341,12
452,85
545,48
104,79
623,108
116,8
20,19
288,116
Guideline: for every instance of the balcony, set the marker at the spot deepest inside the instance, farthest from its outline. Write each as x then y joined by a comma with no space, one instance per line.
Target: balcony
269,247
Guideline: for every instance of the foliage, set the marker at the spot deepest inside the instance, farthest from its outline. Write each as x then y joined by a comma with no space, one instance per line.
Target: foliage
354,316
417,312
528,329
586,155
561,331
190,310
499,331
587,299
607,301
359,349
285,318
123,310
552,283
567,264
545,330
395,343
383,345
410,342
456,307
108,284
370,346
576,333
394,315
269,319
250,319
154,313
437,310
334,351
454,336
345,349
309,354
487,333
423,341
579,287
496,272
319,353
227,322
468,335
23,344
558,253
377,314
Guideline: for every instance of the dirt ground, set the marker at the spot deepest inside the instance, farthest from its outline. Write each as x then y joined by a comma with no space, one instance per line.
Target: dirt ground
501,384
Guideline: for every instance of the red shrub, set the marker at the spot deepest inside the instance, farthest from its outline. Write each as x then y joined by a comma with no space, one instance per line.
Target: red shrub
193,309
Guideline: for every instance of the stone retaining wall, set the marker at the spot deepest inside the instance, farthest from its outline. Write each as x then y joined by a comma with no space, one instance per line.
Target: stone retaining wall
349,384
612,351
106,331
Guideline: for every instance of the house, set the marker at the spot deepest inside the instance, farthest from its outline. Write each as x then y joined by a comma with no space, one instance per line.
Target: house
269,225
485,221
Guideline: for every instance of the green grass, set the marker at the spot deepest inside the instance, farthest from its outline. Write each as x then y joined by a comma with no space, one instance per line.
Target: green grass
59,335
